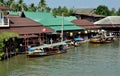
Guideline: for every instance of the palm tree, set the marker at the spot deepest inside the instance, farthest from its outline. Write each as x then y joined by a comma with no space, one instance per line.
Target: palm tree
2,2
12,4
21,6
32,8
42,5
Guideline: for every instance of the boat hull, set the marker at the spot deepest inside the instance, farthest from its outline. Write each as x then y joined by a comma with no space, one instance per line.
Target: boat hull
97,41
46,54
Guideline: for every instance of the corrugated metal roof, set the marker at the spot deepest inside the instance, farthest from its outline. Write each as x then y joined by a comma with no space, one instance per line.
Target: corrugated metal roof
26,30
66,28
24,26
54,21
47,19
19,21
109,20
5,8
85,24
82,22
84,10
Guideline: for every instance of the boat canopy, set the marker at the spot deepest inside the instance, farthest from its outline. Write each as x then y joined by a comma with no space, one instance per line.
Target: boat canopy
47,45
78,39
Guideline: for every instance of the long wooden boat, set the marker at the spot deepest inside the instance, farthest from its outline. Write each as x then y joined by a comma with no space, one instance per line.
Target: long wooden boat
48,49
107,39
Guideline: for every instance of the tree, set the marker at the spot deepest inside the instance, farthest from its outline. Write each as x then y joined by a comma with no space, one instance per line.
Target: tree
42,6
32,8
7,42
65,11
113,12
118,12
12,4
48,9
102,10
2,2
5,36
21,6
9,2
59,11
54,11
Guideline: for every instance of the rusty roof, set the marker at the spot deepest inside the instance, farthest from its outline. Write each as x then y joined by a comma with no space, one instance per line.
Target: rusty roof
26,30
24,26
17,21
5,8
85,23
91,15
82,22
84,10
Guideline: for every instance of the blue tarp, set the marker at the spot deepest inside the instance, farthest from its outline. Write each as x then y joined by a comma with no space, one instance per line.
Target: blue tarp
31,49
78,39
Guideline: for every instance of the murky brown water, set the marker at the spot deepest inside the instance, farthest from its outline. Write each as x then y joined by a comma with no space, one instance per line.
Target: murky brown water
86,60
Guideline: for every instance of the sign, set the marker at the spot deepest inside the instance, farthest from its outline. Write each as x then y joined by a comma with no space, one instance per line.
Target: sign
44,29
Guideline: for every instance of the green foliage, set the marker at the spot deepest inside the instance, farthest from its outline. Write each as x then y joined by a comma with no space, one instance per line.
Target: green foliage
32,8
102,10
42,5
58,11
4,37
2,2
1,55
19,5
113,12
118,12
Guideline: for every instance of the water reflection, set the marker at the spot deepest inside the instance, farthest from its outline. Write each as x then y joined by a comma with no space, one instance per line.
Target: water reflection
86,60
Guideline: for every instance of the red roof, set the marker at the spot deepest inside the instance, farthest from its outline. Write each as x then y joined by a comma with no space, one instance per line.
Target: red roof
18,21
85,24
110,25
82,22
91,15
26,30
24,26
5,8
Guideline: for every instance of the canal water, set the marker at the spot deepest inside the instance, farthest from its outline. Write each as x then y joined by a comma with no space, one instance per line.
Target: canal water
86,60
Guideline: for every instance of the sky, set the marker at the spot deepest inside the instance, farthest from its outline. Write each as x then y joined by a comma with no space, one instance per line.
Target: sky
78,3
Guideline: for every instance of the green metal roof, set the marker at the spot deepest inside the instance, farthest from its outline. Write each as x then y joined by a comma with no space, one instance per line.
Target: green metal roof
47,19
14,13
71,27
55,21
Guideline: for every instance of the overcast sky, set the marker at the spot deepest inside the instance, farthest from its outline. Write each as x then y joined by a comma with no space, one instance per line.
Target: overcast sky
79,3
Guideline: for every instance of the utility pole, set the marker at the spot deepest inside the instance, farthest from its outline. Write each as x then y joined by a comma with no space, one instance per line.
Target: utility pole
62,27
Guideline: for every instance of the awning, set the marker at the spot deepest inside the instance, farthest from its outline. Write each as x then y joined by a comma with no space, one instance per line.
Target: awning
78,39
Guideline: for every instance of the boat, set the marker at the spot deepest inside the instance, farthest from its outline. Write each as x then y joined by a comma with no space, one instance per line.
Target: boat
101,39
47,49
78,41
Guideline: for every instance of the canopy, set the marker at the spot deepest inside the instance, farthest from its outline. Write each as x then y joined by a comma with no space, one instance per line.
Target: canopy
78,39
47,45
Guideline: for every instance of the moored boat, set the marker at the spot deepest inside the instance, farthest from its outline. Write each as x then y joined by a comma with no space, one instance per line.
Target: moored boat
101,39
47,49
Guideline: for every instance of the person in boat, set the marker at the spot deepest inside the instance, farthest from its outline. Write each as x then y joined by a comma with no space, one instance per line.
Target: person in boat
102,38
60,47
